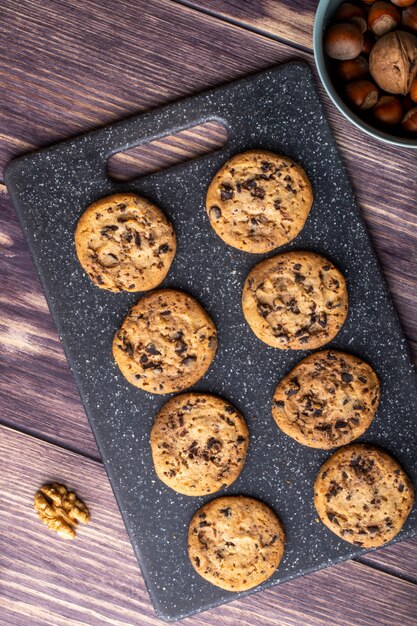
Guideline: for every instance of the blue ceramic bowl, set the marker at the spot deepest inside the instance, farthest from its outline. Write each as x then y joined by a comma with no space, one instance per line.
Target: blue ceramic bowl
324,13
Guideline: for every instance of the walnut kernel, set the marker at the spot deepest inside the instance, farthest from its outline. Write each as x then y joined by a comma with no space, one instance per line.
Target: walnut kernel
60,509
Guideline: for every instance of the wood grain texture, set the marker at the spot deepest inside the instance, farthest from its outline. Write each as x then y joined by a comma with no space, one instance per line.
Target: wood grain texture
170,150
180,51
94,579
289,20
399,559
67,68
63,75
37,391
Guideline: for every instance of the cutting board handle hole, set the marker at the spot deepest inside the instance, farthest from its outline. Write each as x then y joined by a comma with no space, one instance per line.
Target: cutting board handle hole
170,150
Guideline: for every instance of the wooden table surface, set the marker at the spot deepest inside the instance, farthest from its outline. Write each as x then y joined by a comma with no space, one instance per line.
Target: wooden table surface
68,67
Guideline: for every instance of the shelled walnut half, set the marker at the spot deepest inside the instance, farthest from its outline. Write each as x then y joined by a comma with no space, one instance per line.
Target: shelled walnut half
60,509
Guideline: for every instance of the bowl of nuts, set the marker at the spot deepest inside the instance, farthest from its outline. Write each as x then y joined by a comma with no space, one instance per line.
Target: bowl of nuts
366,56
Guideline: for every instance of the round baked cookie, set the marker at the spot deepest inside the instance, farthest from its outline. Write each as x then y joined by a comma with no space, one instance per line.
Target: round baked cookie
295,300
199,444
259,200
363,495
235,542
327,400
166,343
125,243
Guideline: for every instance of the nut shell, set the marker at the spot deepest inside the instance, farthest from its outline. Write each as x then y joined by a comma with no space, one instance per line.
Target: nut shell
343,41
368,42
383,17
409,18
393,62
348,12
407,102
409,121
413,90
388,110
362,94
352,69
403,3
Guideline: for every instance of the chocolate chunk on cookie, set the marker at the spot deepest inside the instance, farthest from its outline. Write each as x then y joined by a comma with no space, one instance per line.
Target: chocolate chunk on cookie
199,444
295,300
125,243
166,343
328,399
259,200
363,495
235,542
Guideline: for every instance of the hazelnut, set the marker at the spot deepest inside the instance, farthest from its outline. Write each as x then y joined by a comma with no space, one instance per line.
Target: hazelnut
409,18
368,42
368,1
392,62
407,102
409,121
343,41
383,17
362,94
388,110
348,12
352,69
413,90
403,3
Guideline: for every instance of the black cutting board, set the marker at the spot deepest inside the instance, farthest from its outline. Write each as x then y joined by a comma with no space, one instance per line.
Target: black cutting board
278,110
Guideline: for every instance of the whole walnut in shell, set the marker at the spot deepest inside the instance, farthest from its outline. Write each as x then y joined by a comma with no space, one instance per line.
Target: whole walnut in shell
393,62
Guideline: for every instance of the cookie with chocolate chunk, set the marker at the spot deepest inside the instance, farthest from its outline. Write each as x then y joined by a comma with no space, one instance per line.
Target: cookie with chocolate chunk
259,200
235,542
199,444
363,495
166,343
125,243
327,400
295,300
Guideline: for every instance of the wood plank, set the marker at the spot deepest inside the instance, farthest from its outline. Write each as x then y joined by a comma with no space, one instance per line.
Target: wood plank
398,559
289,20
95,580
170,150
180,51
37,391
60,77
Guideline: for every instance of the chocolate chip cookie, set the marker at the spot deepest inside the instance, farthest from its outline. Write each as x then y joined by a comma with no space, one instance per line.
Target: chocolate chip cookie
328,399
166,343
235,542
199,444
125,243
363,495
259,200
295,300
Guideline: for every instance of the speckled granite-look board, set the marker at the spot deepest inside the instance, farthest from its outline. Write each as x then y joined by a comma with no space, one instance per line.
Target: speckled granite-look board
278,110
